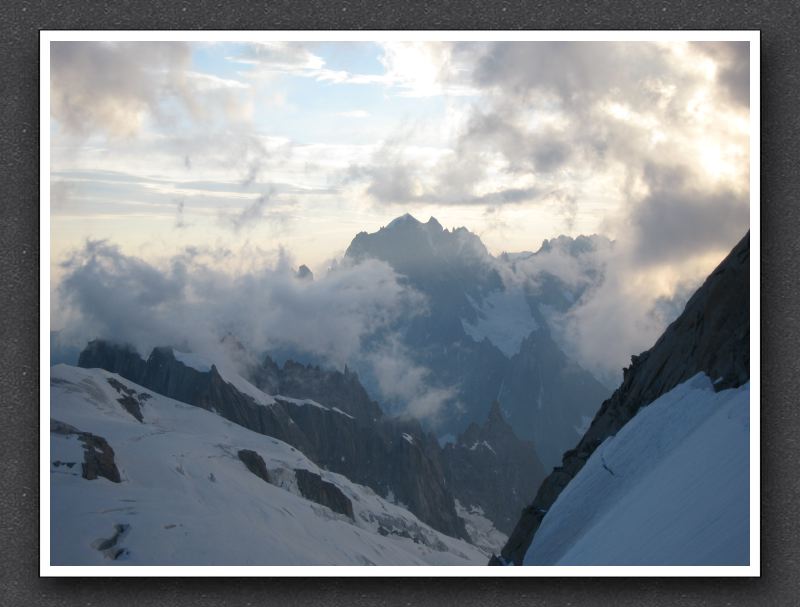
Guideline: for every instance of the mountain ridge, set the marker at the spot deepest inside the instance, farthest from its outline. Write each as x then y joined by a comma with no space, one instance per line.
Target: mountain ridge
369,452
472,332
710,336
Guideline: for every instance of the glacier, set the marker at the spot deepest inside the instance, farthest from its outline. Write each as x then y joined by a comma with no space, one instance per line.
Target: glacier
671,488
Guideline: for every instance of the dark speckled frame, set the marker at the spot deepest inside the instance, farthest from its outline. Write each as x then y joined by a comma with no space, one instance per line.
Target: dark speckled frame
19,320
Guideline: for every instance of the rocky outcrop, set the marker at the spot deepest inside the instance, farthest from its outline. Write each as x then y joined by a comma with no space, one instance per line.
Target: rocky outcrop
309,484
313,488
110,546
123,358
254,463
98,456
304,273
332,388
546,396
712,335
130,400
490,467
371,452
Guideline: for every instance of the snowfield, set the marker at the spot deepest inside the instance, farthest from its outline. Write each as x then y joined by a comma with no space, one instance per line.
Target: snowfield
671,488
481,529
186,498
504,318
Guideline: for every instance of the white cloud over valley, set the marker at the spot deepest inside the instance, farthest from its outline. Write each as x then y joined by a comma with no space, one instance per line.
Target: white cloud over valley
180,170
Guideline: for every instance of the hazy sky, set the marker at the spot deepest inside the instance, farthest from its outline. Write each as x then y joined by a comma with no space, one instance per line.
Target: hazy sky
270,151
159,145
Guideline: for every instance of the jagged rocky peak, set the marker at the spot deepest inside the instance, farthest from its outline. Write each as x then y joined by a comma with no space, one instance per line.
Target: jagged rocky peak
495,414
711,336
332,388
494,429
575,245
406,240
304,273
434,224
343,431
406,219
102,354
490,467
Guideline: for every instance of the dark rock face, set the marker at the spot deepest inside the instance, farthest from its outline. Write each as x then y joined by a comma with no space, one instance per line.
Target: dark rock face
130,400
712,335
123,358
490,467
546,395
370,452
305,273
255,464
98,456
333,388
109,546
312,487
449,267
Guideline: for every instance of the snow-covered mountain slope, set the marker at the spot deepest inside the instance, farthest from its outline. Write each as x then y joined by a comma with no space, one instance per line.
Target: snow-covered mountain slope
671,488
712,336
481,530
192,490
368,451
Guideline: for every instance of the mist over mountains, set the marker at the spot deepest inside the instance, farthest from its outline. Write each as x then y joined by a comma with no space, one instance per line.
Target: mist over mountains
458,394
436,326
265,350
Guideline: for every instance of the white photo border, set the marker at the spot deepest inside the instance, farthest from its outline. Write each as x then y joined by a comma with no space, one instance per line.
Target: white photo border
751,570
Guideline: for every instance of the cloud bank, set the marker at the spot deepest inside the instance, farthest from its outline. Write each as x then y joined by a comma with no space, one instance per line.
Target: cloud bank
647,143
192,301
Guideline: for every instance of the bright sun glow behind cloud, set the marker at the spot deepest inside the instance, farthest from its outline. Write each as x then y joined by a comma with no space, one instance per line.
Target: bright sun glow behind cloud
257,148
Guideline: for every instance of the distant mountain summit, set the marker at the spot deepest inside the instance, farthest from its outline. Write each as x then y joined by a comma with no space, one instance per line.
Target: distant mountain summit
392,241
487,338
451,264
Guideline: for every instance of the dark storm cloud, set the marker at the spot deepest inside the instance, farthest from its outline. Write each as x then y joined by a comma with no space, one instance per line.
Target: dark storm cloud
113,87
398,184
524,152
573,71
608,100
108,87
677,221
679,215
733,67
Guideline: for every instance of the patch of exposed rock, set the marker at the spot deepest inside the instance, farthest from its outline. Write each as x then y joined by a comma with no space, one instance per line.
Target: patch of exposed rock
98,456
490,467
